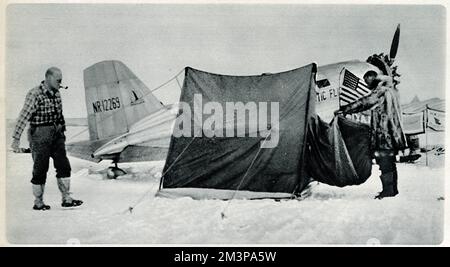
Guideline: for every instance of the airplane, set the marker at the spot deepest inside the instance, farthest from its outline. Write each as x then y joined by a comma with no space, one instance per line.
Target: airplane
127,123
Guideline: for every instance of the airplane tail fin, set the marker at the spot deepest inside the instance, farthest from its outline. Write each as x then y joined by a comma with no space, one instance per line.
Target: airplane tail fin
115,99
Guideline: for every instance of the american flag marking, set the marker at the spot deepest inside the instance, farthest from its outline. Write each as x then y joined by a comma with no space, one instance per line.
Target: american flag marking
352,88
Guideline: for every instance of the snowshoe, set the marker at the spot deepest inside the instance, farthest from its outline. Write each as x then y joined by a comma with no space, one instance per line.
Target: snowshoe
439,151
74,203
410,158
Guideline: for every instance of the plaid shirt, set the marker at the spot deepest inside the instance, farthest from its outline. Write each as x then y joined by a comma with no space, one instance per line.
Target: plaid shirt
42,107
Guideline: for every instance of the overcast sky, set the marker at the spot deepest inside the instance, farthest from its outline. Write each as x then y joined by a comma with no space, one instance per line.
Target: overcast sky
157,41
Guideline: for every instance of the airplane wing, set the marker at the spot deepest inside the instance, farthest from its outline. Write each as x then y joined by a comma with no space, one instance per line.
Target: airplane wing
132,153
84,149
142,153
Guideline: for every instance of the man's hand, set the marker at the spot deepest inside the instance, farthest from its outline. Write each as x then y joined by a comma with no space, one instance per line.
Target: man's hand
15,146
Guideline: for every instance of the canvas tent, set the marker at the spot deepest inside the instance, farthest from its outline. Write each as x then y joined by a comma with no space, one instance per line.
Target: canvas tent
418,115
417,106
339,153
237,167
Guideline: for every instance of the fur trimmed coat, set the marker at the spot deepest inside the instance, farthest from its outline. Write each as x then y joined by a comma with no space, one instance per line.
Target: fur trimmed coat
386,117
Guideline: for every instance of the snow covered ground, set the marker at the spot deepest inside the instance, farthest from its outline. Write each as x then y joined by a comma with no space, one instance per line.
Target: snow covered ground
331,215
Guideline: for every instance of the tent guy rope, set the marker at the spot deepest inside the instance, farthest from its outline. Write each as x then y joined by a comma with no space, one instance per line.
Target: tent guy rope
222,214
130,208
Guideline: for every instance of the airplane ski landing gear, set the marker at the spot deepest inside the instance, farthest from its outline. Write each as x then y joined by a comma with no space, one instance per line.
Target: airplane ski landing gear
114,172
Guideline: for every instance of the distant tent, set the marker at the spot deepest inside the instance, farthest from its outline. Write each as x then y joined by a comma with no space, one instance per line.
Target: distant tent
418,115
237,167
415,99
417,106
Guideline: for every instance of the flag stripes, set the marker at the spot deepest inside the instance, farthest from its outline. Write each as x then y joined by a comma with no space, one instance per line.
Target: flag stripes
352,88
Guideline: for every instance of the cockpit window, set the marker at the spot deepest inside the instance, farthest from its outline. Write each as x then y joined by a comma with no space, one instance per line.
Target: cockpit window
323,83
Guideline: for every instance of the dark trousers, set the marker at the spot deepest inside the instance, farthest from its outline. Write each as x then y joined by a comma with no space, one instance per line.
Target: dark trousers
48,142
389,175
386,163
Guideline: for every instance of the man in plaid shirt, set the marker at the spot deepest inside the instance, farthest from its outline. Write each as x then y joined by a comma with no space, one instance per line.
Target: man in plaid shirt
43,109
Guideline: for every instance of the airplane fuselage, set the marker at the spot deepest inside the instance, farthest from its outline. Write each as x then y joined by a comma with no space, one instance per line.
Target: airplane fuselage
142,132
327,91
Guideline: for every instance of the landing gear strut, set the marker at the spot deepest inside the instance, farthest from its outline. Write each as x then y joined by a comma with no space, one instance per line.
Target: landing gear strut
114,172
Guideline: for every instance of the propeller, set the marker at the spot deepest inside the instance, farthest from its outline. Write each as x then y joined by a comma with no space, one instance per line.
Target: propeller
394,45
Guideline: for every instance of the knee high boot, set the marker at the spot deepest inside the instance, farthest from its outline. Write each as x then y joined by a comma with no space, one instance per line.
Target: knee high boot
38,192
64,188
395,182
387,180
